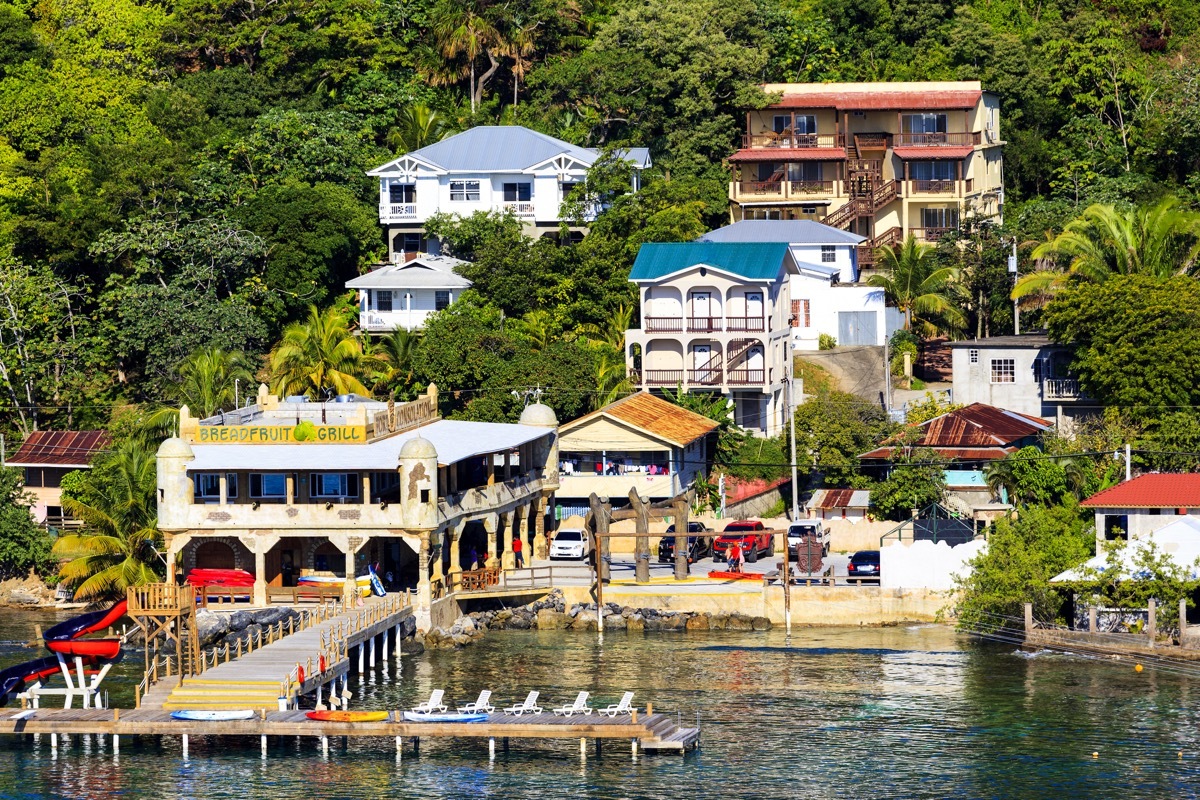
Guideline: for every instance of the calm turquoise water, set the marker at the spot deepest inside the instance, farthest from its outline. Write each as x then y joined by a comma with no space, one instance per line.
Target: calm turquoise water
838,713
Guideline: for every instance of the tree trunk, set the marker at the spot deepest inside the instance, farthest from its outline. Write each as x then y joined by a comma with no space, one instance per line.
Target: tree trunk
483,79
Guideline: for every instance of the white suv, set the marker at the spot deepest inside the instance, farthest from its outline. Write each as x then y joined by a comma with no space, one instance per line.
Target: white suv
570,543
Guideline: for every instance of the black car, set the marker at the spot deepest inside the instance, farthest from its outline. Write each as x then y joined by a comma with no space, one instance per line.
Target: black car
864,566
699,546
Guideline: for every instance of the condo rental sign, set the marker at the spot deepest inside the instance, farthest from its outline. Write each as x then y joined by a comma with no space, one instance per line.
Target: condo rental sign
304,433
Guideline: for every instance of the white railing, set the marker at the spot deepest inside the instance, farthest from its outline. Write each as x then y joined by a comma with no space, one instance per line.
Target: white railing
391,211
521,209
1060,389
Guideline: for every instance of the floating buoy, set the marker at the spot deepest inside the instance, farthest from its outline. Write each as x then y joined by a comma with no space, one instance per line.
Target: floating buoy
1137,667
1095,754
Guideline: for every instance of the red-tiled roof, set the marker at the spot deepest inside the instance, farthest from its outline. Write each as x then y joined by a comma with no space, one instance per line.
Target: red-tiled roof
790,154
1156,490
933,153
60,448
883,101
976,432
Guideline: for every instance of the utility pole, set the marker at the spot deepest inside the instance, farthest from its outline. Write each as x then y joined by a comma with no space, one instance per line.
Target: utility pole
1012,268
1128,468
791,411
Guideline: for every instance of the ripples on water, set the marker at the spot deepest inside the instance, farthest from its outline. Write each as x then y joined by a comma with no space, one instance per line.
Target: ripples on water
837,713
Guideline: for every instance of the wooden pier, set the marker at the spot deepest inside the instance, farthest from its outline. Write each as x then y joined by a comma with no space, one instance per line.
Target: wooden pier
655,732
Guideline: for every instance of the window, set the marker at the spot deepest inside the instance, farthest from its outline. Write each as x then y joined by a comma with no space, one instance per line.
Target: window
402,193
383,300
805,123
807,171
567,188
828,253
800,317
441,300
931,170
464,190
517,192
208,485
939,217
924,123
1004,370
265,485
410,242
974,356
333,484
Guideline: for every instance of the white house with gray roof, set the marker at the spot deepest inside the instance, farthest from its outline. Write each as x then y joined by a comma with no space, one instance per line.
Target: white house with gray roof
488,168
401,296
826,295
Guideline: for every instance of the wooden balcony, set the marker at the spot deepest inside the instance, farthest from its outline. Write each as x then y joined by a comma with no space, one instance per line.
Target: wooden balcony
746,377
395,212
705,376
962,139
798,141
740,324
663,377
783,189
759,188
930,234
662,324
811,187
1061,389
938,186
703,324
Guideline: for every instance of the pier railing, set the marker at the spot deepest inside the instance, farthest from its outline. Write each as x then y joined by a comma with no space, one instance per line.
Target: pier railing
490,579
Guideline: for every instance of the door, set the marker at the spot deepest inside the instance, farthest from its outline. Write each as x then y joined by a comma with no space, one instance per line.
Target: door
754,312
857,327
702,371
701,311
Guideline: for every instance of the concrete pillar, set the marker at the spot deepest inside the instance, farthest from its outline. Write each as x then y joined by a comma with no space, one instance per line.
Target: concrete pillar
1152,621
424,597
1091,619
436,575
1182,618
455,573
1028,617
508,560
350,593
489,524
541,548
260,577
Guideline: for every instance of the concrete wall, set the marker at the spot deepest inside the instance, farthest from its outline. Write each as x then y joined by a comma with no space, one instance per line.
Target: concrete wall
925,565
857,369
849,536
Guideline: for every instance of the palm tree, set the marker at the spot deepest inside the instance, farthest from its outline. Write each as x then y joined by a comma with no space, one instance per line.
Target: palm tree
208,380
519,47
612,332
1162,240
119,544
1001,474
538,328
395,355
915,284
612,378
320,355
461,29
417,126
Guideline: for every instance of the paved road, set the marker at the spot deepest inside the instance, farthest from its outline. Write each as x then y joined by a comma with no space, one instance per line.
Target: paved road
622,570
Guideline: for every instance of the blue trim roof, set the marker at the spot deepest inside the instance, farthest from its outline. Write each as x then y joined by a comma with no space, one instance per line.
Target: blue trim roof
756,261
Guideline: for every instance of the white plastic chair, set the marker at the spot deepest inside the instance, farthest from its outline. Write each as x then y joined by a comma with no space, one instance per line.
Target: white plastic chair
530,706
580,706
622,707
480,705
434,703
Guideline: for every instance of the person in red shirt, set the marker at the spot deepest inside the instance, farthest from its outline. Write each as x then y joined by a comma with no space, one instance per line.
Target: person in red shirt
517,552
735,557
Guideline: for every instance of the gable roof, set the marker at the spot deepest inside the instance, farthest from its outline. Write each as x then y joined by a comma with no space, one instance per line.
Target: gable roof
756,261
879,96
652,415
1154,490
976,432
505,148
74,449
828,499
791,231
1030,340
423,272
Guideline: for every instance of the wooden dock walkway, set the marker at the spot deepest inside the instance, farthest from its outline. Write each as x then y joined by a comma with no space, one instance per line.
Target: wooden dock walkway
650,732
297,664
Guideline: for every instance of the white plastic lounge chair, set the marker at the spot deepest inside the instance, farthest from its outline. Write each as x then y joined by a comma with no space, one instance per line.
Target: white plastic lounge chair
622,707
434,703
580,706
530,706
480,705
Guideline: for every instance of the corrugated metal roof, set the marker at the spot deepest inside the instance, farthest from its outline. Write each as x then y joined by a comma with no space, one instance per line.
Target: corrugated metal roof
956,453
60,449
423,272
791,231
1155,490
653,415
901,100
756,261
454,441
840,498
1035,340
789,154
976,432
933,153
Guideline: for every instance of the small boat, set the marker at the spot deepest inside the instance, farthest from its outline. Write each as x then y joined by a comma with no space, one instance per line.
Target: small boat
376,584
363,582
348,716
735,576
200,715
416,716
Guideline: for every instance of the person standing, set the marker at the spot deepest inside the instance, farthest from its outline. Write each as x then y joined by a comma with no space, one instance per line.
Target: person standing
517,546
474,557
735,557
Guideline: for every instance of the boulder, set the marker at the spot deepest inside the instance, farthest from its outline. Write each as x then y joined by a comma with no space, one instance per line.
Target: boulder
465,625
585,620
521,622
269,616
211,626
23,597
411,647
614,622
502,615
718,622
739,622
550,620
461,640
698,623
635,624
761,624
673,622
238,620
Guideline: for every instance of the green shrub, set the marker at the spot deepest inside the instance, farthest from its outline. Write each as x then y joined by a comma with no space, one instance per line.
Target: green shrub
826,342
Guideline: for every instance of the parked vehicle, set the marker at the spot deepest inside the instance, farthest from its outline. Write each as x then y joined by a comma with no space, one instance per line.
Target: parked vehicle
570,543
753,537
864,566
699,544
801,532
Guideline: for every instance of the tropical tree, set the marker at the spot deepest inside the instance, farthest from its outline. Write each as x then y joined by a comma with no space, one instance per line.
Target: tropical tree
417,126
119,544
394,353
209,380
915,283
537,328
462,29
1161,241
319,356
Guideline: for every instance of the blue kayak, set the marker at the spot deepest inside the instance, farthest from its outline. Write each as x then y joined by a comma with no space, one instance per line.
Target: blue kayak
199,715
413,716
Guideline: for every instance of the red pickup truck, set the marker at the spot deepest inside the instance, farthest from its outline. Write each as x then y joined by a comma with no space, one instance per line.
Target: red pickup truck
752,536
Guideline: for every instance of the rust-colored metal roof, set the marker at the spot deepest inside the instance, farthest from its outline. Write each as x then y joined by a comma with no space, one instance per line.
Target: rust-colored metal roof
932,153
976,432
840,498
907,100
653,415
957,453
60,449
789,154
1154,490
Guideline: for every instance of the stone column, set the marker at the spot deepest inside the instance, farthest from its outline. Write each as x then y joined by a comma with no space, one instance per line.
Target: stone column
455,572
436,575
424,597
541,549
489,524
260,577
512,525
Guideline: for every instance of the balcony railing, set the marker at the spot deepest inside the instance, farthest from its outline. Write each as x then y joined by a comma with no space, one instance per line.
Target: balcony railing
705,376
812,187
960,139
793,140
1061,389
739,324
663,377
393,211
938,186
521,209
662,324
760,187
703,324
746,377
930,234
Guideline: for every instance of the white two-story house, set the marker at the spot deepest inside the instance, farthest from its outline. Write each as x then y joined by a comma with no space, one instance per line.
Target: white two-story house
827,297
715,318
403,295
489,168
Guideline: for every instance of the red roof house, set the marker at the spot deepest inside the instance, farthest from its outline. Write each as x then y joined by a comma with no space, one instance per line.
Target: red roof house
977,432
1138,507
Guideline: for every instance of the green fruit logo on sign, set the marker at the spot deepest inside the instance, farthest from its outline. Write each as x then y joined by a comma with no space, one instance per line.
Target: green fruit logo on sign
304,432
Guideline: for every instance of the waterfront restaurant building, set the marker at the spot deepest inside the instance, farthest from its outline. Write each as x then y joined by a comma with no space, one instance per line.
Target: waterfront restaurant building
287,489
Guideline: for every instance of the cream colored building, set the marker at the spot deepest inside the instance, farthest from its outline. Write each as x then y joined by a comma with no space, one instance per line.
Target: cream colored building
715,317
880,159
287,489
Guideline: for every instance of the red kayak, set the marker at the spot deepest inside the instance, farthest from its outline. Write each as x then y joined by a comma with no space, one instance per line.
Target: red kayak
88,648
735,576
220,577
